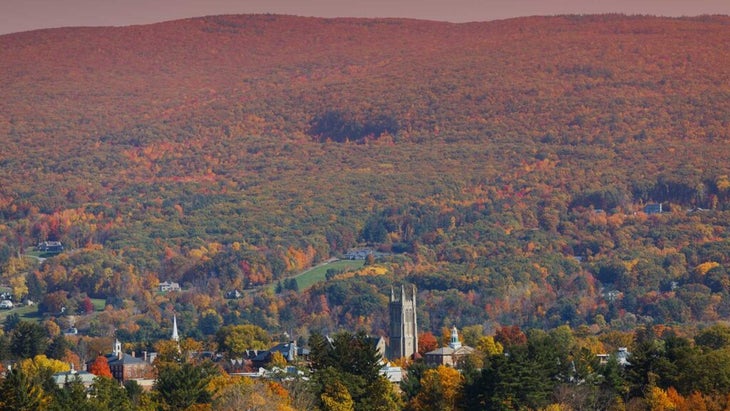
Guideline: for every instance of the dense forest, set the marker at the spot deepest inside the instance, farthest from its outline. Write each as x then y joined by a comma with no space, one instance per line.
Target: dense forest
504,168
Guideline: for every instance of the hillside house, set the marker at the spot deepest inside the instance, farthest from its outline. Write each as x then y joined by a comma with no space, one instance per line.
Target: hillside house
168,286
50,246
654,208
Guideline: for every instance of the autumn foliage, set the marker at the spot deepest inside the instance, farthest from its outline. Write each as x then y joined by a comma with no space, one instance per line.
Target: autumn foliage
100,367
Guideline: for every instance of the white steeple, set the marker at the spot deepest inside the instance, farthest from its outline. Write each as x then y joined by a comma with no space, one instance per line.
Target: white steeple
175,337
455,343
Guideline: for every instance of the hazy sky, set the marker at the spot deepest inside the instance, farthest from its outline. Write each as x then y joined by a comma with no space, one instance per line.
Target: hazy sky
22,15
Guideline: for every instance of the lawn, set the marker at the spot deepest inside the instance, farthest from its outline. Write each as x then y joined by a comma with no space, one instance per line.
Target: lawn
30,312
26,312
317,274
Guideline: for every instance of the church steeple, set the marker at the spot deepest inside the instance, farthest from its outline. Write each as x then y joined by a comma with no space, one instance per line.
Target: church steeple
175,337
455,343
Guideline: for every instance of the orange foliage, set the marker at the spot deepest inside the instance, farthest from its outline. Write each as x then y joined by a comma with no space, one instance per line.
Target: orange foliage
100,367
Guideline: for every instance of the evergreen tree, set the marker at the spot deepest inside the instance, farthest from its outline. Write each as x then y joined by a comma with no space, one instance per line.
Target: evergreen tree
21,392
354,362
28,340
180,386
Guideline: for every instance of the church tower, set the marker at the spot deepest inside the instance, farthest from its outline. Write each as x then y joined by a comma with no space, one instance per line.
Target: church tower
403,324
175,337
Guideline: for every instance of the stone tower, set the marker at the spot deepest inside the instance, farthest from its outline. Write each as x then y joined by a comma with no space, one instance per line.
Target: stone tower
403,325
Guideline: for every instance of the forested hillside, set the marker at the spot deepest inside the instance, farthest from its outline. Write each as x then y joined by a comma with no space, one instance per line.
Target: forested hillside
503,168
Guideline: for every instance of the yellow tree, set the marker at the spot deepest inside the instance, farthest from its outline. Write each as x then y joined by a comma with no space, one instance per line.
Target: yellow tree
336,397
278,360
41,364
658,400
242,393
440,388
488,346
13,273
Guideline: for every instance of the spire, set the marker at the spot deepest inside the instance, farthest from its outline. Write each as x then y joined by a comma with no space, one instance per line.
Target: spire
175,337
455,343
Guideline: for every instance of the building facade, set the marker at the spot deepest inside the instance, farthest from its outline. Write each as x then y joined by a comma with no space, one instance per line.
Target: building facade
403,324
452,354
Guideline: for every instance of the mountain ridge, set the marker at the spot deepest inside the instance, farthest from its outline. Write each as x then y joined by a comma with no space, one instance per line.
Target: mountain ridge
242,149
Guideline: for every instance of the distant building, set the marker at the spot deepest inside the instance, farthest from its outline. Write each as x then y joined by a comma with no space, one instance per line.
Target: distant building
654,208
84,377
450,355
403,332
622,357
125,367
50,246
169,286
233,294
359,253
392,373
290,351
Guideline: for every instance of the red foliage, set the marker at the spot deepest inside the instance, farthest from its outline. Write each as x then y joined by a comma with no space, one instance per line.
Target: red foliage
427,342
100,367
510,335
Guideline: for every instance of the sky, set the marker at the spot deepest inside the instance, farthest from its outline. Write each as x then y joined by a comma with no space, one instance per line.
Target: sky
24,15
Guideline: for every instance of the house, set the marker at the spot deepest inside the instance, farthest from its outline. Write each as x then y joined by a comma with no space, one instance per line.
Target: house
622,357
50,246
450,355
169,286
233,294
654,208
290,351
359,253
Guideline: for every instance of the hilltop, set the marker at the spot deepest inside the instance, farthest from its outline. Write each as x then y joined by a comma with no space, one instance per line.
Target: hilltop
232,151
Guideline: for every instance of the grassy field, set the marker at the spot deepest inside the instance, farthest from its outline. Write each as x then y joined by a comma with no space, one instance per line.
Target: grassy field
30,312
26,312
317,274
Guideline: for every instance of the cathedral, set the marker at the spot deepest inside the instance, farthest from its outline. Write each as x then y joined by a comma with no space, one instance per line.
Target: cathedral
403,324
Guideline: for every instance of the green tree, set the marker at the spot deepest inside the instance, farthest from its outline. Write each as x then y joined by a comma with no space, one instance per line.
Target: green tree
107,394
71,396
411,384
714,337
28,340
179,386
11,321
58,347
21,392
353,361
